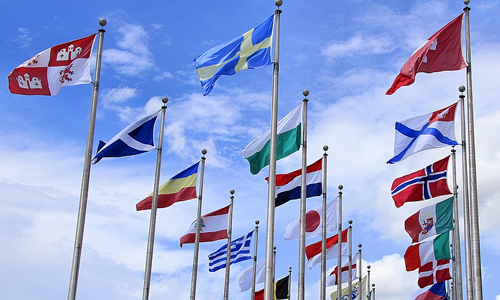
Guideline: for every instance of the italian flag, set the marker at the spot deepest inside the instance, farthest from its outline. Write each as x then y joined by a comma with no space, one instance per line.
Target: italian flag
420,254
289,138
430,220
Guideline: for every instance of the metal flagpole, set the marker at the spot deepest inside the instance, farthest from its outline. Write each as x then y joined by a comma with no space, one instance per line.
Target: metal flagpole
303,196
349,284
268,295
274,270
465,198
339,244
154,205
289,282
368,282
360,273
457,261
323,226
474,210
84,191
228,249
373,292
256,232
194,273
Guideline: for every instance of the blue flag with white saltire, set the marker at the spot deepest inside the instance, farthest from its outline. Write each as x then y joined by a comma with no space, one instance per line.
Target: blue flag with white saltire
251,50
240,251
135,139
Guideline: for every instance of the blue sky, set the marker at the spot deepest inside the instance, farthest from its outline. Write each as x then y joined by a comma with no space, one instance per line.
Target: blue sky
346,53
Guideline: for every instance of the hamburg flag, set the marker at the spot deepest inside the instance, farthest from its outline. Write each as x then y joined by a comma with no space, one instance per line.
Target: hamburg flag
213,227
47,72
429,131
441,52
135,139
421,185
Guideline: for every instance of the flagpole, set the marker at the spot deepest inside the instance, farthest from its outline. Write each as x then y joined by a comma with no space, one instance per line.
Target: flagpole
373,292
252,297
474,211
323,226
84,191
360,273
274,271
457,261
368,282
349,284
339,253
289,282
303,196
268,295
228,249
194,273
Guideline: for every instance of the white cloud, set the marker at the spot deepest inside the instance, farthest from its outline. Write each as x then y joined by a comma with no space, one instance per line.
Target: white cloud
115,96
358,45
24,39
162,76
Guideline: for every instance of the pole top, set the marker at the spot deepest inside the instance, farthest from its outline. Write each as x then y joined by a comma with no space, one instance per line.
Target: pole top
232,192
466,2
257,222
203,151
164,100
325,148
290,269
278,2
341,187
461,88
103,22
350,222
360,245
373,285
274,248
305,93
368,267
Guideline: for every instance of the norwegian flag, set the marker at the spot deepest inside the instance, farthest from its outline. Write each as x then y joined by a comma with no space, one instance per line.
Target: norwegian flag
434,272
47,72
421,185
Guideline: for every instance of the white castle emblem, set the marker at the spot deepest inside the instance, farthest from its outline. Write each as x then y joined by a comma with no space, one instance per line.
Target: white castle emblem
69,54
26,83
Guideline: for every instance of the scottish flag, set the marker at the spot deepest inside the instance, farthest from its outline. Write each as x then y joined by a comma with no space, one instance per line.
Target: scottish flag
135,139
240,251
251,50
433,130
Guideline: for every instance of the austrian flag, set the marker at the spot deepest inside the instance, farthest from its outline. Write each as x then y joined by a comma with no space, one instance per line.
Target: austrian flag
48,71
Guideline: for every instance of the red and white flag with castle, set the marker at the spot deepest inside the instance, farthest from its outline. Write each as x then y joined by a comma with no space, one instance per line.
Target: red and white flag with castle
48,71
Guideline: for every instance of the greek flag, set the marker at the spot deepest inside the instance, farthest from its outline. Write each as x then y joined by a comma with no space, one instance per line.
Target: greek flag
240,251
251,50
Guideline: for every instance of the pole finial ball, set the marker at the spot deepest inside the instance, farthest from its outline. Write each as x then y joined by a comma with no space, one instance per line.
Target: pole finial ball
204,151
373,285
368,267
359,245
278,2
232,192
325,148
466,2
461,88
257,222
305,93
350,221
103,22
341,186
164,100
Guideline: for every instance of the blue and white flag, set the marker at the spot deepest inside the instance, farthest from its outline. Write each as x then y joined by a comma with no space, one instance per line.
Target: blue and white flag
433,130
135,139
240,251
251,50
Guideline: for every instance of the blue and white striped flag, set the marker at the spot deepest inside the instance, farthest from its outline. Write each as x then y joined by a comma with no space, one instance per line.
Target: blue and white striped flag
240,251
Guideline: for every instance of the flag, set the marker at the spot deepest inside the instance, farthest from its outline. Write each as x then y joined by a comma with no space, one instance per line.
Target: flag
288,186
430,220
245,277
280,289
251,50
289,138
424,184
418,255
314,222
240,251
213,227
434,272
435,292
181,187
48,71
429,131
441,52
355,291
313,251
135,139
332,280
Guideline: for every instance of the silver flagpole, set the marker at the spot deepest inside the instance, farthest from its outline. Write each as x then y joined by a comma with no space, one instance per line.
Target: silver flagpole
84,191
457,261
373,292
323,226
303,196
349,284
154,205
256,232
194,273
474,210
268,295
368,282
274,270
360,273
465,198
339,244
289,282
228,249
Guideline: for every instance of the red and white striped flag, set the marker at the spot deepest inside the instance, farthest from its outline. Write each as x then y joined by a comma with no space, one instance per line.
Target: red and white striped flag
313,251
48,71
213,227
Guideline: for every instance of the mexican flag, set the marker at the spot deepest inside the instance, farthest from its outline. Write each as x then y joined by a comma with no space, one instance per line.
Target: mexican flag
289,138
430,220
419,254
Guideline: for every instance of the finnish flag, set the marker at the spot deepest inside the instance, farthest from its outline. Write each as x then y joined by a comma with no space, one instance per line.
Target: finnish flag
135,139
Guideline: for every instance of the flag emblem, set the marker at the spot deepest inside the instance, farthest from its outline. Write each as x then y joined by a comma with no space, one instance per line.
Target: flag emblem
427,225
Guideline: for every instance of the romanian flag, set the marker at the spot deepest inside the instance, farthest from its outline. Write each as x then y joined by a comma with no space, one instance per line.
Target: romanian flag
181,187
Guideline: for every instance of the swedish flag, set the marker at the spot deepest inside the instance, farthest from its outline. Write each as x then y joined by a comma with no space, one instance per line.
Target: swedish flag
251,50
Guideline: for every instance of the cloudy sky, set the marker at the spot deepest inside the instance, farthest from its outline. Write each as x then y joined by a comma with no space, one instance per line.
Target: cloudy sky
346,53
